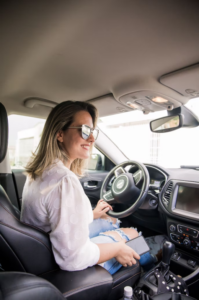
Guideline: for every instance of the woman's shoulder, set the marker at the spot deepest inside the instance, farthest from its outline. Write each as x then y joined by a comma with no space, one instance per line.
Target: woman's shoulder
53,175
58,170
52,178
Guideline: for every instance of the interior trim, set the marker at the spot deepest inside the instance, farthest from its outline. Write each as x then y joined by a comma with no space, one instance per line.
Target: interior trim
166,177
22,266
74,291
127,279
31,102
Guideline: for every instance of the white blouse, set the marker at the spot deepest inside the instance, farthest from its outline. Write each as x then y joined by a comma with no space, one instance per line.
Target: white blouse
56,202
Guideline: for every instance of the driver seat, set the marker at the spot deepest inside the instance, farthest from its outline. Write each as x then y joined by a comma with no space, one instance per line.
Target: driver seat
25,248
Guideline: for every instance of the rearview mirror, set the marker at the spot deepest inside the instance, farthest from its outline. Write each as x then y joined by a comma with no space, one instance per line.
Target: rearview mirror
177,118
166,124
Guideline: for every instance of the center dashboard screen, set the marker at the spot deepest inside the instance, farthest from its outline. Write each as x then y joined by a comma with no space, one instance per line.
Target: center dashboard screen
188,199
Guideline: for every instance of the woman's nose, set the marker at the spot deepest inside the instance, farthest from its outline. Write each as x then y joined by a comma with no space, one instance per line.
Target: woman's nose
91,138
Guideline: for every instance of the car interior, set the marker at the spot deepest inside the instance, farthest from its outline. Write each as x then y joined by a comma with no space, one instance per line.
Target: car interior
133,60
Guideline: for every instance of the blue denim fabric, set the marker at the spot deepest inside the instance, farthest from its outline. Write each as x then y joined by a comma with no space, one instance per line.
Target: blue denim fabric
102,225
96,229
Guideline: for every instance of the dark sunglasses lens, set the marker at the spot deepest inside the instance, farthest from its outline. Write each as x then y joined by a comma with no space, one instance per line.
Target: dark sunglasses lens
85,132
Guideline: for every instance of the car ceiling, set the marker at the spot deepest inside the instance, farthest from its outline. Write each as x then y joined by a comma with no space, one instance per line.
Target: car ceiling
80,50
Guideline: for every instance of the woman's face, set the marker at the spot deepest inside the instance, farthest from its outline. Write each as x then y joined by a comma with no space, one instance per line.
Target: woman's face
73,143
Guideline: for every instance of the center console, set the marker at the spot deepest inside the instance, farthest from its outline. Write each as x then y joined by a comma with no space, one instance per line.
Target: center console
181,200
161,283
160,279
183,235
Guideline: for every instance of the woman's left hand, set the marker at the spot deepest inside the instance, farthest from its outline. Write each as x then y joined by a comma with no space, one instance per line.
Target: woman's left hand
101,209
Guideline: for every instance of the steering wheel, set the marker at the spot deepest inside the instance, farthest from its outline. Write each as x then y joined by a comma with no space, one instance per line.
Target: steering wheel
124,189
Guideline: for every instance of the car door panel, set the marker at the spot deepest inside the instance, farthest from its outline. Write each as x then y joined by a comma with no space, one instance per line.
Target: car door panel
92,183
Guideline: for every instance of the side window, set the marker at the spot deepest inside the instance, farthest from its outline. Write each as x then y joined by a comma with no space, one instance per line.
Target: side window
24,137
96,161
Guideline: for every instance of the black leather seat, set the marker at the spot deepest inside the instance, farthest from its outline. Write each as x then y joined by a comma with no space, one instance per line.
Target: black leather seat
21,286
25,248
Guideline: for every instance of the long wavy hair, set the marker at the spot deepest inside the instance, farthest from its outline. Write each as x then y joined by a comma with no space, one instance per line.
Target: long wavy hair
49,148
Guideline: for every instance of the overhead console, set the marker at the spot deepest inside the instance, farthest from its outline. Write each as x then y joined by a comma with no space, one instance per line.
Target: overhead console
177,88
148,101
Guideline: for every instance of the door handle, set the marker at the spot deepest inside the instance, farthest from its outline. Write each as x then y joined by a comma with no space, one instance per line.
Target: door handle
90,184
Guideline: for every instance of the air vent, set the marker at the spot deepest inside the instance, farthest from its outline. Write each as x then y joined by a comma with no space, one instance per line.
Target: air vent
167,193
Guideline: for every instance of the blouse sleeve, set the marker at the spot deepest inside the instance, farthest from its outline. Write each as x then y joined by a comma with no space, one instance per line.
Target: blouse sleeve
67,208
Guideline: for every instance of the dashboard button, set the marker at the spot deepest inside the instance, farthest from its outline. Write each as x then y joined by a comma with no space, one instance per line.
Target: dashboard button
172,227
153,202
187,230
176,256
180,229
195,232
175,238
187,242
191,262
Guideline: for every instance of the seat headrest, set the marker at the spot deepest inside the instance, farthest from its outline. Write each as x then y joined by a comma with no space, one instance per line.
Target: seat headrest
3,132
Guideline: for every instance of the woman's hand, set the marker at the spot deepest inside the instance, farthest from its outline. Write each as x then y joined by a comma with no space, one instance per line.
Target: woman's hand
126,256
101,209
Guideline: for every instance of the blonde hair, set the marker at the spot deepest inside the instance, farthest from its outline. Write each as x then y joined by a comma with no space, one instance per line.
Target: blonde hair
49,148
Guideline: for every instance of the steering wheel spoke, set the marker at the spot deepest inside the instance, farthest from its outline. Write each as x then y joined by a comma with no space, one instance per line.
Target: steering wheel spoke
119,171
108,197
137,176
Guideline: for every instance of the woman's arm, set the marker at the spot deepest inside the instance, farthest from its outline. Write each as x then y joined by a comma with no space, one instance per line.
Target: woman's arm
67,208
122,253
101,209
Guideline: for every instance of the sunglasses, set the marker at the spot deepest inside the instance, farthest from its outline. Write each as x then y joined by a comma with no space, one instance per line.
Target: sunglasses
86,131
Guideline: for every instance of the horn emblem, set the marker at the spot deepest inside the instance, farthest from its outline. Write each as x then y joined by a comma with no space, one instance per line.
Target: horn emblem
120,184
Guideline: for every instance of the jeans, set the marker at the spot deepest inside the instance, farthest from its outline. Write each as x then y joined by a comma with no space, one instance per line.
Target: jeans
96,229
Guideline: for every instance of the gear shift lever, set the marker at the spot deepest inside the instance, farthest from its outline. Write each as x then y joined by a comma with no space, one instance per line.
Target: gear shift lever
168,250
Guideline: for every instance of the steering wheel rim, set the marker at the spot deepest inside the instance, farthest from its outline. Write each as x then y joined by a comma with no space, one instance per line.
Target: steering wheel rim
127,189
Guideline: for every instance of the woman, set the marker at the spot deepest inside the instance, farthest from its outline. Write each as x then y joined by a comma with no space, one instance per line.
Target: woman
54,200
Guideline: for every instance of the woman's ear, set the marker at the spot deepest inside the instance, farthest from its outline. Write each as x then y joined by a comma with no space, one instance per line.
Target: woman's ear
60,137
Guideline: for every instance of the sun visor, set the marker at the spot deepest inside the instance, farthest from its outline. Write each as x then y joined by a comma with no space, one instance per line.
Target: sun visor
184,81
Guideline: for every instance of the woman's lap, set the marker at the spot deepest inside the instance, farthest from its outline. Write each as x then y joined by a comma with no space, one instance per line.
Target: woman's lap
102,225
97,236
111,265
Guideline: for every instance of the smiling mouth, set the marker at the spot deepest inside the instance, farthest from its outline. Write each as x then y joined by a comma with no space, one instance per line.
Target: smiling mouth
86,147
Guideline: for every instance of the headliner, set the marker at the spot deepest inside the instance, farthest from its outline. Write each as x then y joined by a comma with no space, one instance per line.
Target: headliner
79,50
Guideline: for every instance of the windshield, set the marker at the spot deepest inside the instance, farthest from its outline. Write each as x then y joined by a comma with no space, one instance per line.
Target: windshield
131,133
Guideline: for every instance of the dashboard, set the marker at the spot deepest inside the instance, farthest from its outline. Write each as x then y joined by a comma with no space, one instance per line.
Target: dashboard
158,178
155,184
171,206
177,191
